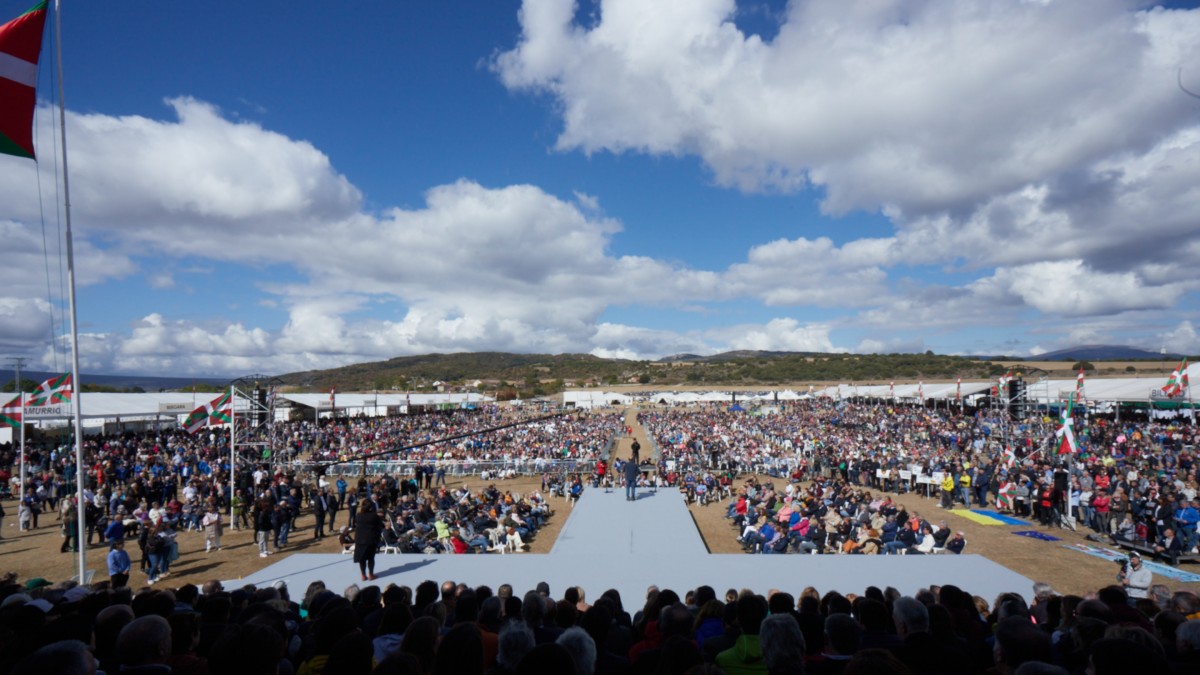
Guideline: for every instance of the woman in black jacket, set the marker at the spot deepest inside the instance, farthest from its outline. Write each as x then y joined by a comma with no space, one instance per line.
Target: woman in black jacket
367,533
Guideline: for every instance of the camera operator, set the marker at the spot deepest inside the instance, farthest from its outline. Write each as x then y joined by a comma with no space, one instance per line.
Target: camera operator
1135,577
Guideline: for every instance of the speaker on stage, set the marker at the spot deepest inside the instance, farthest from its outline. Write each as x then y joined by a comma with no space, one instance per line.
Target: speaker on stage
1017,403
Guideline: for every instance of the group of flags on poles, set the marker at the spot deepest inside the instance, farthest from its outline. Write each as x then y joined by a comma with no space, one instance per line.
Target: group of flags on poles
53,391
59,389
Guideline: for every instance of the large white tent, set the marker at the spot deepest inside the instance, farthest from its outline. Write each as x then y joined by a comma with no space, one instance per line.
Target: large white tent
101,408
586,399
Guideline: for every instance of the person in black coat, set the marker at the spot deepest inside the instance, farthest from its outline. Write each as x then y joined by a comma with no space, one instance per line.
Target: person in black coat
367,534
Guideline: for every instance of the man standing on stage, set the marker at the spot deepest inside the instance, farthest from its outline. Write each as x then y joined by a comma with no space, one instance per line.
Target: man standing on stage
631,475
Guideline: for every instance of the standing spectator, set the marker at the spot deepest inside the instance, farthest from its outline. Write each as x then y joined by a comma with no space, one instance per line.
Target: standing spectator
1135,577
341,494
70,530
262,526
631,476
1186,518
367,535
157,550
239,510
947,490
119,564
320,508
281,521
212,527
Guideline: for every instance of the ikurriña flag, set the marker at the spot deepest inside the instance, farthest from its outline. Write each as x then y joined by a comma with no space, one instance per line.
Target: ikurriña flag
1065,431
10,414
20,45
52,392
217,411
1178,380
222,410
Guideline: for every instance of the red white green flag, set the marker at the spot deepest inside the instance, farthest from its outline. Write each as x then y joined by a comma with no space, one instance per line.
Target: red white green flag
52,392
1178,380
222,410
958,390
1079,385
10,414
1004,498
1010,458
217,411
1065,432
20,45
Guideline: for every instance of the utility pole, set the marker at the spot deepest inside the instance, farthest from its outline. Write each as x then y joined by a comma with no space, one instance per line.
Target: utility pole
17,362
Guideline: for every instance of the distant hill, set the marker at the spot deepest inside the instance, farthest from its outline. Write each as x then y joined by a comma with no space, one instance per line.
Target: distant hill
736,355
410,371
539,374
1097,353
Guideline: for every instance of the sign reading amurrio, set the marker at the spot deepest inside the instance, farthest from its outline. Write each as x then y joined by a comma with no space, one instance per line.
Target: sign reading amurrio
48,411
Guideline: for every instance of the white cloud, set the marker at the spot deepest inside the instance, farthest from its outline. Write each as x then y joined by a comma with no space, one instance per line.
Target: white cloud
781,334
1069,288
924,106
1183,339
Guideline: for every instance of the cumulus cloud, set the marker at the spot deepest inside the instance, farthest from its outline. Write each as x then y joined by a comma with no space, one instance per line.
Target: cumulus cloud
1043,149
922,106
783,334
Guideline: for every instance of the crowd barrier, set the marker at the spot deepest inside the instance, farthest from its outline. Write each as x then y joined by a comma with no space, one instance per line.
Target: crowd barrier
454,469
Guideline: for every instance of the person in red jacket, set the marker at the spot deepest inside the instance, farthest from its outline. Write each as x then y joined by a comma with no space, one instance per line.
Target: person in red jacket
1100,504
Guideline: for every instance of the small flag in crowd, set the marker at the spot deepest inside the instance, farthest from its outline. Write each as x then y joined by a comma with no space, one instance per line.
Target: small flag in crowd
1065,431
1004,498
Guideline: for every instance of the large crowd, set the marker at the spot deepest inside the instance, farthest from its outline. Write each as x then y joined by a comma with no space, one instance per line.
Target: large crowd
149,488
827,467
452,628
1133,481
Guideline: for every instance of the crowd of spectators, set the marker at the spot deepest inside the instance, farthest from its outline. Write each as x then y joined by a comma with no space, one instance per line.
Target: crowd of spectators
153,487
1133,480
454,628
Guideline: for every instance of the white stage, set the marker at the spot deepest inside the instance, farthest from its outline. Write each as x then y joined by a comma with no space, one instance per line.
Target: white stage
608,542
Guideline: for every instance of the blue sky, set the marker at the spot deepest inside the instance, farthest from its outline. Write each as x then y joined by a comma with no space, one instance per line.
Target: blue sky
271,187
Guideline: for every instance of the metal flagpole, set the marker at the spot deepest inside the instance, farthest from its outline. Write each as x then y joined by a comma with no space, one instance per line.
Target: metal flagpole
76,385
17,367
232,449
21,496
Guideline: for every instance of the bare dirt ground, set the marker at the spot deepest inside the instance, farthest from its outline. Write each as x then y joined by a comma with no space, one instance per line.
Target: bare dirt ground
36,553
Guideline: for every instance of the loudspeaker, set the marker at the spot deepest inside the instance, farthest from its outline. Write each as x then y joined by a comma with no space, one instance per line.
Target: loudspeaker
1017,404
258,411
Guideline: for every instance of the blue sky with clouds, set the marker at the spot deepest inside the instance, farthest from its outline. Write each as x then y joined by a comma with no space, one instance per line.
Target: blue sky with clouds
271,187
